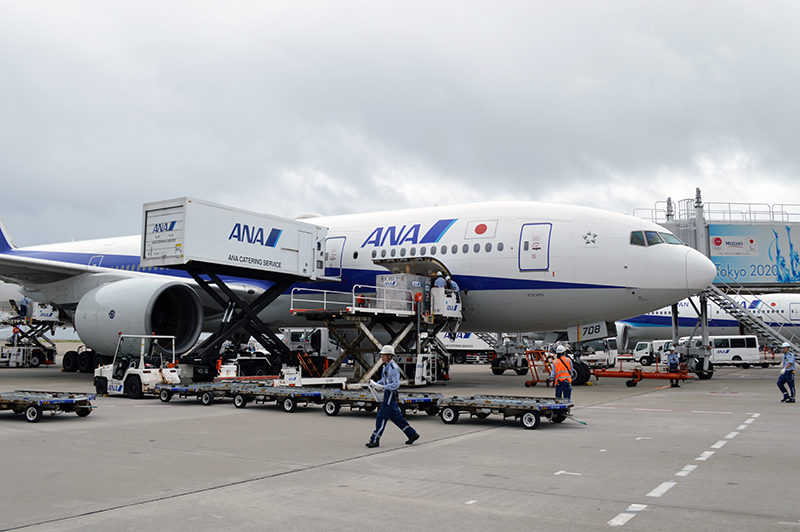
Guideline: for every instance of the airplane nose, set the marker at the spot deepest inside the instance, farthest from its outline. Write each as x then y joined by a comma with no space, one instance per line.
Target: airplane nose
700,271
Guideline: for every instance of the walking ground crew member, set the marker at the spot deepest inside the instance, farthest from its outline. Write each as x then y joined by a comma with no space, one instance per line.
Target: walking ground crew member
787,374
561,374
390,380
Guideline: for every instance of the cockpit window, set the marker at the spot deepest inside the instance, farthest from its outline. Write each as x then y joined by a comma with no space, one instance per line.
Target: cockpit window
669,238
653,238
637,238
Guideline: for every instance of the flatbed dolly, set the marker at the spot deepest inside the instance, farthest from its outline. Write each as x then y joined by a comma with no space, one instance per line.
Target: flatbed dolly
528,410
287,397
364,400
33,404
205,392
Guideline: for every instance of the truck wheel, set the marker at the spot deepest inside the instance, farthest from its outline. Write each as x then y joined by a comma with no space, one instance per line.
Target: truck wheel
70,361
558,418
133,387
530,420
289,404
207,398
449,415
331,407
764,365
521,371
646,361
239,400
85,410
36,359
101,386
85,361
33,413
459,358
498,371
165,395
745,366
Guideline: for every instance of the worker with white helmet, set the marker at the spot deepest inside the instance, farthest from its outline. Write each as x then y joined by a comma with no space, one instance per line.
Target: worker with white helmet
439,282
390,382
787,374
673,360
561,374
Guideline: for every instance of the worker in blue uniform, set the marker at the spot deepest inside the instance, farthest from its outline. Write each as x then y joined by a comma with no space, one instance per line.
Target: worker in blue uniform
787,374
439,282
390,382
673,360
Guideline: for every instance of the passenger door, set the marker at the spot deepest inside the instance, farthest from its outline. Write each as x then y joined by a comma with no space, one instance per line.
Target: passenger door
534,247
334,248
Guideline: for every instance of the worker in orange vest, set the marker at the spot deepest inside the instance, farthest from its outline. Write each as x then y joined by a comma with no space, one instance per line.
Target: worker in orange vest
561,374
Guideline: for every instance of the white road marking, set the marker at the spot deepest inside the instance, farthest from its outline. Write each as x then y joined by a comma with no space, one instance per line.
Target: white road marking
749,421
662,489
719,444
685,471
705,456
653,409
562,472
644,438
709,412
741,427
627,515
731,435
756,415
470,502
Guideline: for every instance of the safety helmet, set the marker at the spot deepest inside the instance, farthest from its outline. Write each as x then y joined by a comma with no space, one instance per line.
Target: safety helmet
786,344
561,349
447,278
387,350
439,274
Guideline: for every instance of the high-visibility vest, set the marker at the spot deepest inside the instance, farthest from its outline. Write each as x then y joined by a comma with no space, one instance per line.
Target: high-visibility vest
563,367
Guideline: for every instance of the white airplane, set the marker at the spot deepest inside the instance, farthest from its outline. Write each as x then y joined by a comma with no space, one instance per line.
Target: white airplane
781,311
522,266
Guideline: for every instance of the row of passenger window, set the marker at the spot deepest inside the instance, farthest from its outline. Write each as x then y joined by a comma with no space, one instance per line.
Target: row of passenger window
433,250
651,238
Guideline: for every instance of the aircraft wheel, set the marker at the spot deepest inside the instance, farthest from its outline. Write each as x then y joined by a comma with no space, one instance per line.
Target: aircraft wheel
165,395
530,420
33,413
449,415
239,400
331,407
70,361
522,371
85,361
498,371
101,386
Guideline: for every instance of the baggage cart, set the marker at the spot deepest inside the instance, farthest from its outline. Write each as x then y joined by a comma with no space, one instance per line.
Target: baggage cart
364,400
33,404
528,410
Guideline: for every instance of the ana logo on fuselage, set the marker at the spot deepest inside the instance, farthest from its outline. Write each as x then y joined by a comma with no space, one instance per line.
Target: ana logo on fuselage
254,235
408,234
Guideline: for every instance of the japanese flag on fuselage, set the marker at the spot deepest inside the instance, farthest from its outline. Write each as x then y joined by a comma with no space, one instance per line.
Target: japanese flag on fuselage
481,229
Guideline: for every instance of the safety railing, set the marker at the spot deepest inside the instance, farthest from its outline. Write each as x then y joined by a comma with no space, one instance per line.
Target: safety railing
362,298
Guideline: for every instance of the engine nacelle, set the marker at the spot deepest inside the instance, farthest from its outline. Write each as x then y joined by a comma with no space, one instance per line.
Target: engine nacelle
139,306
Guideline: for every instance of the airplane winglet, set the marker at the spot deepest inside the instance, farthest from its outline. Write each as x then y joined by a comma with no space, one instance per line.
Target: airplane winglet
6,243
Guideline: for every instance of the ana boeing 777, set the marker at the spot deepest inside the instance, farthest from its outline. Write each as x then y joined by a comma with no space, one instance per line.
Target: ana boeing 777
521,266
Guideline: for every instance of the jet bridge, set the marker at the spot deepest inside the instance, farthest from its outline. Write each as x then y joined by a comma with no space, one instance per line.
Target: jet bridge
218,245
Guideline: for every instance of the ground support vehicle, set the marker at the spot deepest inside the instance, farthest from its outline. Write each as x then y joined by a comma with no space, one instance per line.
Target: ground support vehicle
140,363
287,397
637,374
33,404
528,410
769,357
364,400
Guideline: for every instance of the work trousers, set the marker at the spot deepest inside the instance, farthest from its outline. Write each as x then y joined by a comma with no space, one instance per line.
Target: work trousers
673,368
787,377
389,411
564,390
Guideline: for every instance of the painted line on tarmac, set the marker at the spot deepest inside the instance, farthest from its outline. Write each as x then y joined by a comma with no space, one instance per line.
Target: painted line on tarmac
719,444
731,435
705,456
632,511
685,471
661,489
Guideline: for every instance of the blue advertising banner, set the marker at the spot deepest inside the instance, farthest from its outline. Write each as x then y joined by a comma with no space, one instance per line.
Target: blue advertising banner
755,254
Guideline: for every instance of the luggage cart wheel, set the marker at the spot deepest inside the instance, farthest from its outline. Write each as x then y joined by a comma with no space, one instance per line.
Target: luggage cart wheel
33,413
165,396
239,400
331,407
432,410
630,384
85,411
530,420
289,404
449,415
558,418
207,398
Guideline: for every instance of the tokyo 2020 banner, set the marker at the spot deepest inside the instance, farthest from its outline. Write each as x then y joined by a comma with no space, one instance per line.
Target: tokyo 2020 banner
756,254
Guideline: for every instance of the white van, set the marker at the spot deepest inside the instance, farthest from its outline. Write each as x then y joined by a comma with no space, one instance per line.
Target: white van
731,350
599,353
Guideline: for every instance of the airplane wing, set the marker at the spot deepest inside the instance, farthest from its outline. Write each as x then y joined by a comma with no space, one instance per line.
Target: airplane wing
20,269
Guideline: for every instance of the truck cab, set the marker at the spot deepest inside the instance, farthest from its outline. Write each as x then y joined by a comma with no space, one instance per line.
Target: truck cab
140,362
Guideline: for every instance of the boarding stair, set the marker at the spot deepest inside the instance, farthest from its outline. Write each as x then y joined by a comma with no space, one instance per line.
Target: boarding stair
745,317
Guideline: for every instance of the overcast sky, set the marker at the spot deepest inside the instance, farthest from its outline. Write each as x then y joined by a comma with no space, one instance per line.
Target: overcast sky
336,107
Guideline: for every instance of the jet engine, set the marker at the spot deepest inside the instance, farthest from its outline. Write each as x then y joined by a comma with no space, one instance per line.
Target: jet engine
139,306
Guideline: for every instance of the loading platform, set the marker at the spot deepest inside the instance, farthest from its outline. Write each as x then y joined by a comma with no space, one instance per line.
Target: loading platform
33,404
365,400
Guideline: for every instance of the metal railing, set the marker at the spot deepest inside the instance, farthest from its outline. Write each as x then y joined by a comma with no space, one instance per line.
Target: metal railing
362,298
